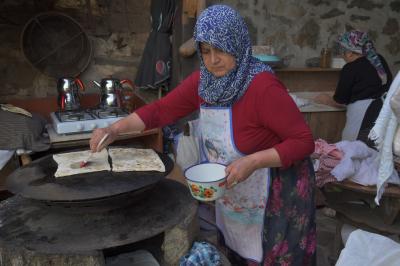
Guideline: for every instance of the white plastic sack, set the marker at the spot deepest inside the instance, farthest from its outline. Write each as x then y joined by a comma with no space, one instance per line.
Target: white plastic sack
365,248
187,152
5,156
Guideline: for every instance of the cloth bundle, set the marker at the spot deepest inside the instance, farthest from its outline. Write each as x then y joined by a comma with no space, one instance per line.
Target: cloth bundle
201,254
328,156
359,164
352,160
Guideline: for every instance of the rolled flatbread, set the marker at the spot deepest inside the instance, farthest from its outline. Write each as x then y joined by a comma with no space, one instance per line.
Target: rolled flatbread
69,163
132,159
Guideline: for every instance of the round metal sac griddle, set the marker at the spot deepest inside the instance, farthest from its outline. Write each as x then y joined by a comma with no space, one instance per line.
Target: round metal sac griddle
37,181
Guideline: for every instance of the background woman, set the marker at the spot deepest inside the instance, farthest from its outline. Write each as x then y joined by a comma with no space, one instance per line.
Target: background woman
363,81
267,212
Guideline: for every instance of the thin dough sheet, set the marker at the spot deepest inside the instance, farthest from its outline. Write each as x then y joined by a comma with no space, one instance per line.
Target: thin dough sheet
69,163
132,159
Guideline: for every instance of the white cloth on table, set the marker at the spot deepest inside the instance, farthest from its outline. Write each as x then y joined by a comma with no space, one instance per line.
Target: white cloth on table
300,102
5,156
383,134
365,248
359,164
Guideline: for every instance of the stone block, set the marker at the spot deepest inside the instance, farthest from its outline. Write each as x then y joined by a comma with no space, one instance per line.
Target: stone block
395,5
19,256
391,27
119,22
309,35
139,23
332,13
138,7
178,240
139,43
118,6
364,4
360,18
394,45
73,4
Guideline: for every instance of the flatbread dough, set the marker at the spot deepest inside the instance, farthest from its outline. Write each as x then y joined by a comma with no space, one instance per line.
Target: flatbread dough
69,163
132,159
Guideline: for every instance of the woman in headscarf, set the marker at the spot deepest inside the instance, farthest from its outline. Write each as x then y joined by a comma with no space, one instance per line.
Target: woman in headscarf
363,81
267,213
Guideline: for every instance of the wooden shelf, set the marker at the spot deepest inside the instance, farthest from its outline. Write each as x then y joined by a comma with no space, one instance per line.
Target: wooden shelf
82,139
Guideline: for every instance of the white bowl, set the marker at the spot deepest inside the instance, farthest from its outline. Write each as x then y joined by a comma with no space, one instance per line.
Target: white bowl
337,62
206,181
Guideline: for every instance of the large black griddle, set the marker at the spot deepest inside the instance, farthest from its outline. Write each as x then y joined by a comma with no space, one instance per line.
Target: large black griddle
37,181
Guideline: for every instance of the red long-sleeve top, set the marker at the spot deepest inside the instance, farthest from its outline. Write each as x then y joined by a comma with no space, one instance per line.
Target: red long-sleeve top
264,117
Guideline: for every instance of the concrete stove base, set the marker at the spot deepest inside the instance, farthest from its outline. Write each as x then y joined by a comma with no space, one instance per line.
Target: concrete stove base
33,234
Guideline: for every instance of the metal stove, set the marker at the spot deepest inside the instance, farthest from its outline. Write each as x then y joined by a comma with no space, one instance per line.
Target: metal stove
80,121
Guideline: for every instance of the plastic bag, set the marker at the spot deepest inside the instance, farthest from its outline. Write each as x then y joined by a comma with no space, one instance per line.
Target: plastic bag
364,248
188,151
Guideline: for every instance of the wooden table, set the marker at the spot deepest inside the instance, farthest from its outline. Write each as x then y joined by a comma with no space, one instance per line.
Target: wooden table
149,138
354,204
326,122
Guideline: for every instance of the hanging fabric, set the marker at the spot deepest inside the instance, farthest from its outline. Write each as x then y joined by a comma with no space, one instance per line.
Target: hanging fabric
155,65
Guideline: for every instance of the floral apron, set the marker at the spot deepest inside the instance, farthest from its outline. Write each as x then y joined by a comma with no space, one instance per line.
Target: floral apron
240,212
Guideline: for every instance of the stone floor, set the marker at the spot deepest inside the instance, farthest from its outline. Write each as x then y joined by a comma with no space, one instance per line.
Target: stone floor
326,228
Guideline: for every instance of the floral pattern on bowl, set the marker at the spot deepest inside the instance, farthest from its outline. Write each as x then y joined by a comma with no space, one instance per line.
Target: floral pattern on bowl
204,193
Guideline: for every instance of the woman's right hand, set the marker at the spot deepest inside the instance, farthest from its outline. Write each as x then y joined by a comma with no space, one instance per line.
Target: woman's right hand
323,98
98,134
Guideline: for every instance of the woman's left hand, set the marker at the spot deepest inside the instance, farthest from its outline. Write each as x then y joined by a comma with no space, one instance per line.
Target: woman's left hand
239,170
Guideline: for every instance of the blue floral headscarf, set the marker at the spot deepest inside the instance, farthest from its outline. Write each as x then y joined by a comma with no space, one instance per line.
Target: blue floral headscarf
359,42
222,27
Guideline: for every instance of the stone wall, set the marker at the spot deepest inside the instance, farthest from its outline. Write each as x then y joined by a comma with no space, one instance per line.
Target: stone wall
299,29
118,30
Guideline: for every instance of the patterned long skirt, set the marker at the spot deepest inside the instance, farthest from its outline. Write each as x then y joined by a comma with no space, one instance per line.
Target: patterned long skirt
289,225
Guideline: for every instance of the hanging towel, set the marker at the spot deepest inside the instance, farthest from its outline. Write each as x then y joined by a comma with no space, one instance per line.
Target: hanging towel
383,134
